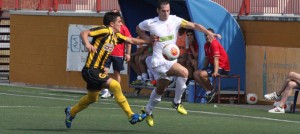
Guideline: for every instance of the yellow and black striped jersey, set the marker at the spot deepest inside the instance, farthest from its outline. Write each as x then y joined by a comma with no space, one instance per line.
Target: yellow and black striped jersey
104,40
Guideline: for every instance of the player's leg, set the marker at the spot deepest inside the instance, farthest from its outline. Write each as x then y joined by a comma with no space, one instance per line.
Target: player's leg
115,87
143,68
181,73
93,87
138,81
292,76
285,94
117,67
105,92
155,98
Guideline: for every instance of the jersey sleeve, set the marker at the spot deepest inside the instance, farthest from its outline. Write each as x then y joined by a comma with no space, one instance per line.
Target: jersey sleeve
144,25
98,31
183,23
121,38
215,48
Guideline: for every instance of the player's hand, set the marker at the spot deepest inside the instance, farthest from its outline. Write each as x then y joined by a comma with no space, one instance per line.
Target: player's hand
215,74
219,36
91,48
155,38
127,58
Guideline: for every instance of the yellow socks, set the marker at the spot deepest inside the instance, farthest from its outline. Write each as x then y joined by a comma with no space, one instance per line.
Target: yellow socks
115,87
84,102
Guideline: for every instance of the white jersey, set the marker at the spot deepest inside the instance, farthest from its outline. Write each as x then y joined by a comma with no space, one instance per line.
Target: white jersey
167,33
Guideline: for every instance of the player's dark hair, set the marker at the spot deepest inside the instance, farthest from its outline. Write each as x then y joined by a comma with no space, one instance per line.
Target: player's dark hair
162,2
190,31
110,17
210,29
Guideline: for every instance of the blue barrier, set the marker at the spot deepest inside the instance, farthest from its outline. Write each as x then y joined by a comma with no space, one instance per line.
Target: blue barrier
191,93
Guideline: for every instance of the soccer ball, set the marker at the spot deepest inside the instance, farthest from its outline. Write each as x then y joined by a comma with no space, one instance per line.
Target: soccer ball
251,98
171,52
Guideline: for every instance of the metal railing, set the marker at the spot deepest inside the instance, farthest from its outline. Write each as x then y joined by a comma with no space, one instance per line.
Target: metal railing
259,7
232,6
60,5
243,7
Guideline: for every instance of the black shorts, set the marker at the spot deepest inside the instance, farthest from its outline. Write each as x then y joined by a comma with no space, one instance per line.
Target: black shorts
95,78
117,63
210,71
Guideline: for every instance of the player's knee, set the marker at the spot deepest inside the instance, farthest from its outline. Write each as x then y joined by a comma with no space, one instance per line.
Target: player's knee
292,84
202,74
93,97
185,72
115,86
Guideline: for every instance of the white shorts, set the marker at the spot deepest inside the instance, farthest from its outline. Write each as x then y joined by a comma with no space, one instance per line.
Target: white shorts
148,63
162,69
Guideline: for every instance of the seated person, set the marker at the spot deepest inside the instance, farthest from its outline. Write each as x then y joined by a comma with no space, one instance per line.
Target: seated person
181,43
192,53
217,58
135,64
291,82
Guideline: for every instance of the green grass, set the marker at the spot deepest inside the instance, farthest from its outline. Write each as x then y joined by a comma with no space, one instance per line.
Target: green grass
35,111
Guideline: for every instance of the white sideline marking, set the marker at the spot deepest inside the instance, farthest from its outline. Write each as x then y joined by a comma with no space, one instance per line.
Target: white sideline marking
232,115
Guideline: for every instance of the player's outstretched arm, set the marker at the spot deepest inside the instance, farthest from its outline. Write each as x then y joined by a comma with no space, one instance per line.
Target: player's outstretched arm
138,41
199,27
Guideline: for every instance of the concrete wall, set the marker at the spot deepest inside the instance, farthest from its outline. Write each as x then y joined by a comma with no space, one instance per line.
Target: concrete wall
272,51
39,47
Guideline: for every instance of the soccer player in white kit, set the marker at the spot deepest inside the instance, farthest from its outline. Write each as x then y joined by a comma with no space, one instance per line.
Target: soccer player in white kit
165,28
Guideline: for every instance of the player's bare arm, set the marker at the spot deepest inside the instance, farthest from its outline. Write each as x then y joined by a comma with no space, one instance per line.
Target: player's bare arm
85,40
141,33
216,66
199,27
138,41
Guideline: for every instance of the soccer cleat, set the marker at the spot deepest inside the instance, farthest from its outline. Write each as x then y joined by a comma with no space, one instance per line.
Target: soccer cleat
149,118
277,110
272,96
137,118
180,109
69,118
210,96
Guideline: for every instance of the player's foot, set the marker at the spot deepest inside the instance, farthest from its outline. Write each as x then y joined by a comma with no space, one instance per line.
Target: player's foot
277,110
149,118
69,118
272,96
179,107
137,118
210,96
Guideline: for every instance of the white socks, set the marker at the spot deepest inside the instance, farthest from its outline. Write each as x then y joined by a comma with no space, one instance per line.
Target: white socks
179,89
154,100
